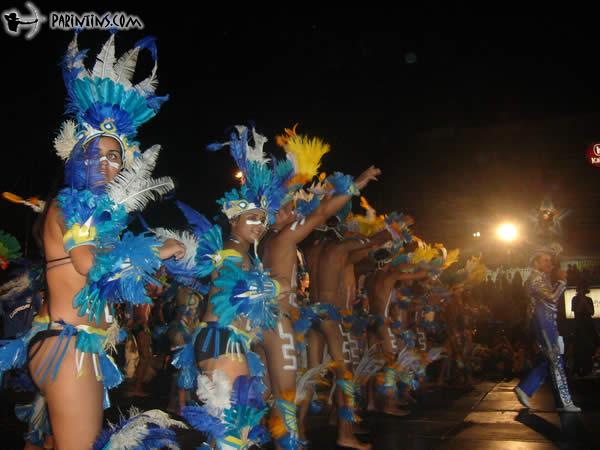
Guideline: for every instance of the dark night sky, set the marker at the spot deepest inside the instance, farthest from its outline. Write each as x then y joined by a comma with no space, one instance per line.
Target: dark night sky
490,118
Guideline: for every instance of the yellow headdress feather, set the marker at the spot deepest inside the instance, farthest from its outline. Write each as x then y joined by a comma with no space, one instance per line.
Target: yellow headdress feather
368,224
451,258
424,253
476,270
305,154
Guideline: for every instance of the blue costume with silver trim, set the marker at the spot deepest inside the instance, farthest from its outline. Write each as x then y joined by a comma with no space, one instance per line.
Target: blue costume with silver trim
543,307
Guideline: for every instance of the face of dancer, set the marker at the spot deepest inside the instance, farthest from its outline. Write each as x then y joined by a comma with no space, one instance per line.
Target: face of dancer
285,216
458,289
249,226
111,161
305,281
543,263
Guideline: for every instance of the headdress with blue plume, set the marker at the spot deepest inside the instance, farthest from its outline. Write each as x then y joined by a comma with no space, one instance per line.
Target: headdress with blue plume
264,185
104,101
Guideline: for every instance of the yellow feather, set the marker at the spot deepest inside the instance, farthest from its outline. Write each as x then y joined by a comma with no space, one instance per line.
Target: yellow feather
282,139
451,258
305,154
12,197
478,274
368,224
424,254
364,204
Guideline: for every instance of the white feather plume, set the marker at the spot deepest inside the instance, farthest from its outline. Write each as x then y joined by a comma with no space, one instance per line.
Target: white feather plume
436,353
146,191
14,286
407,358
186,238
39,415
215,393
148,86
132,433
112,337
105,61
134,187
66,139
255,153
368,366
72,51
125,67
145,164
306,381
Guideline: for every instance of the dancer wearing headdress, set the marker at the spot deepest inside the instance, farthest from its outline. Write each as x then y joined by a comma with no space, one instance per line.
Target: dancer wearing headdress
294,221
218,364
545,286
91,262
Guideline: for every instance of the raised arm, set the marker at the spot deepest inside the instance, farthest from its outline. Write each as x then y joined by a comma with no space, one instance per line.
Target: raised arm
327,208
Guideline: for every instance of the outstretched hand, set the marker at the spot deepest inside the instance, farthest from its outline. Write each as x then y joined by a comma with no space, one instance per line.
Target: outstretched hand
370,174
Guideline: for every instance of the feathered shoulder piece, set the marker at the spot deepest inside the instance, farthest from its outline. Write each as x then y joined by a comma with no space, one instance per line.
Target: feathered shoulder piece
10,249
305,202
204,248
106,211
104,101
341,184
120,275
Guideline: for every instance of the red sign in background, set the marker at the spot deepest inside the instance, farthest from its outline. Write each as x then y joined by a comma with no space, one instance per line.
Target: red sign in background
593,155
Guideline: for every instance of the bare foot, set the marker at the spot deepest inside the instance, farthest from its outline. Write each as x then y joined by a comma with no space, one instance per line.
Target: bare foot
353,443
395,411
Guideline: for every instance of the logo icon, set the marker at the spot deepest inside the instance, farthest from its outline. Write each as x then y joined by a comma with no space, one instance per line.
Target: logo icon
593,155
15,21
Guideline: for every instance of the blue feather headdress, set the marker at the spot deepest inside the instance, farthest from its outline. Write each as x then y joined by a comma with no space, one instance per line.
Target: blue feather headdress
263,184
104,101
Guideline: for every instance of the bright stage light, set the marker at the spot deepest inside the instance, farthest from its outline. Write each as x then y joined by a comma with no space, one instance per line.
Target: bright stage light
507,232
